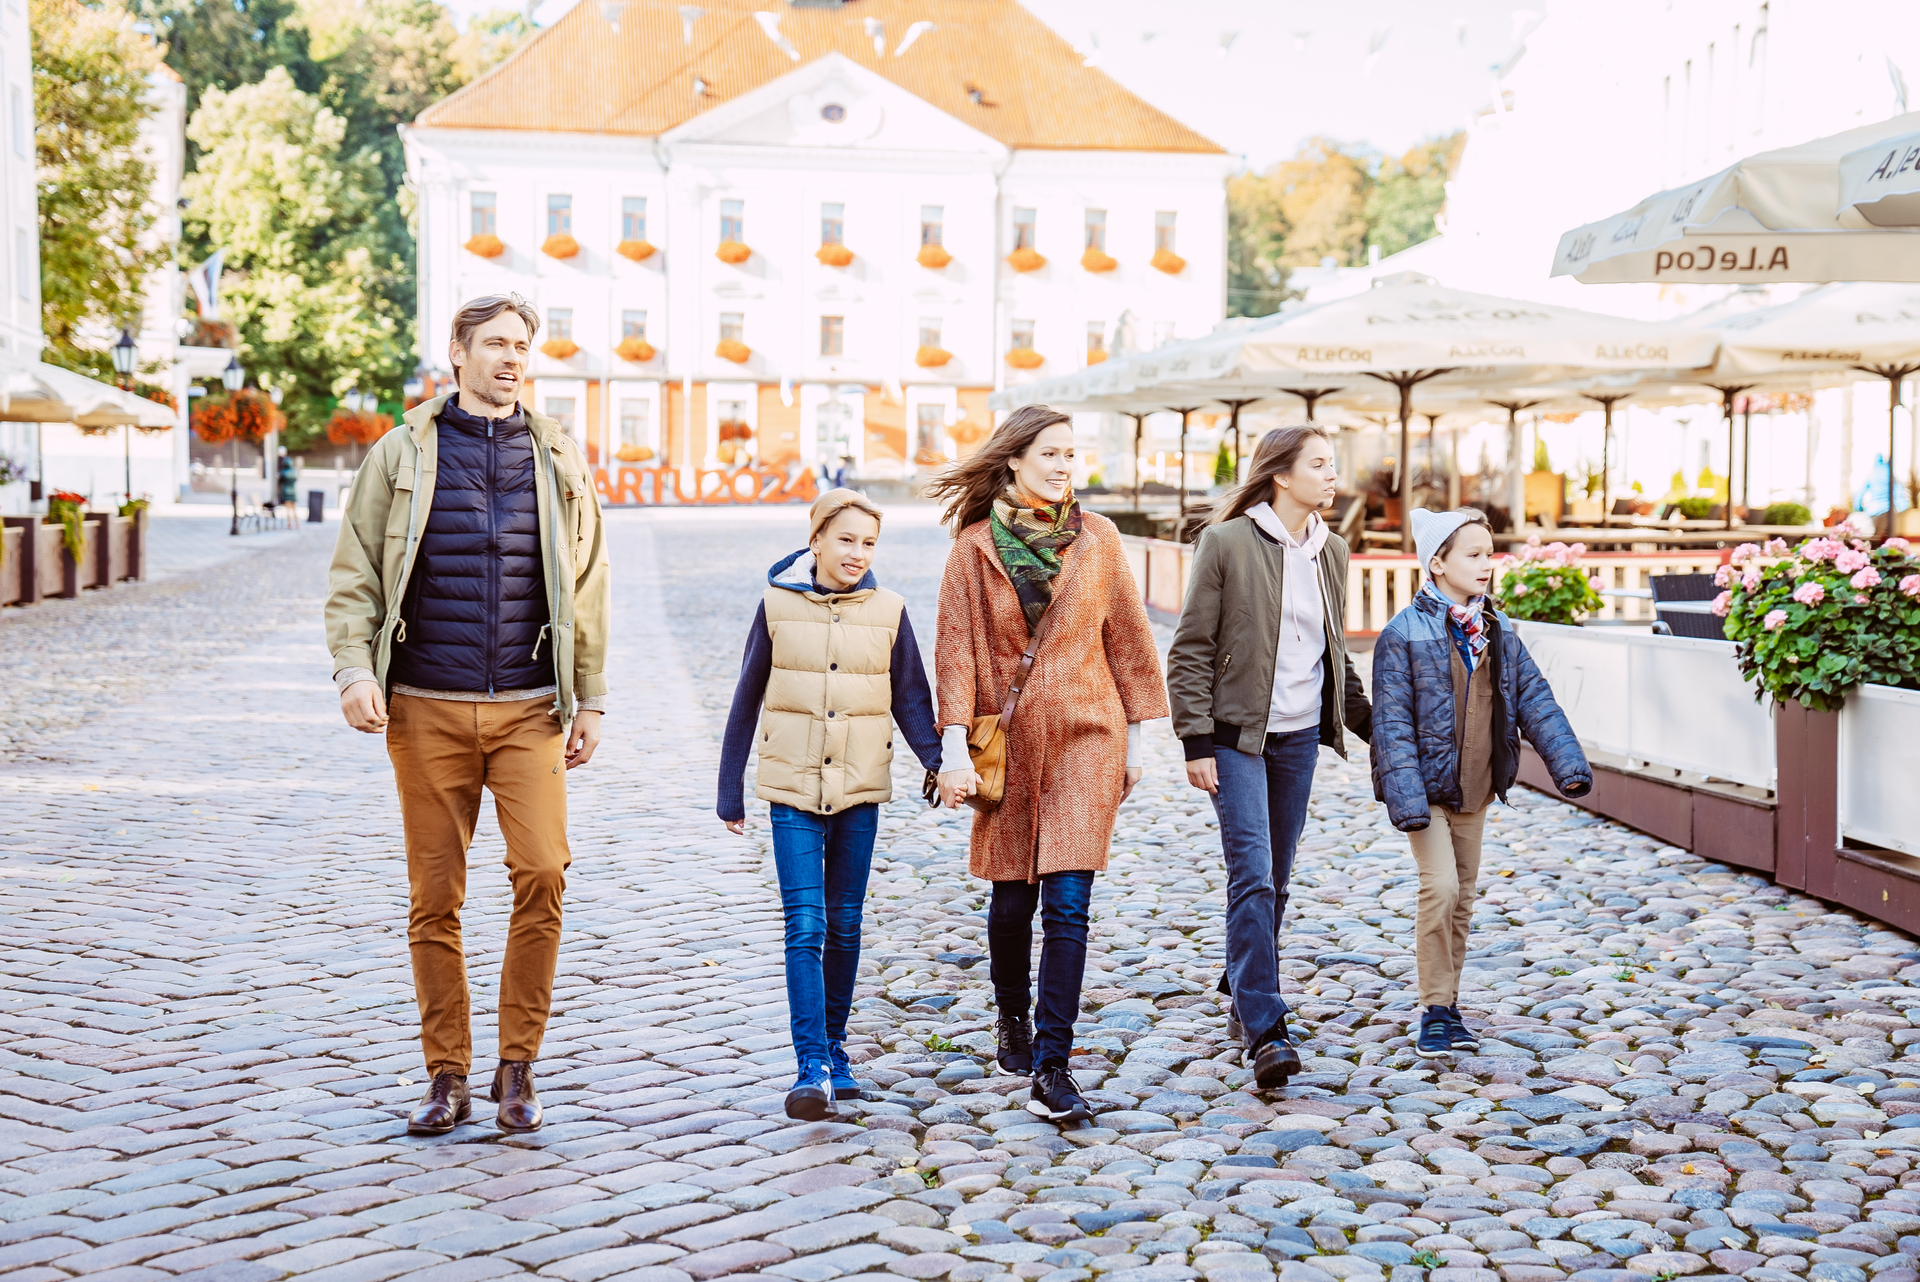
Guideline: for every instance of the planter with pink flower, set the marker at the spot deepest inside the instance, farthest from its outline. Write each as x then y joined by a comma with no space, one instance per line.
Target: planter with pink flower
1814,622
1546,583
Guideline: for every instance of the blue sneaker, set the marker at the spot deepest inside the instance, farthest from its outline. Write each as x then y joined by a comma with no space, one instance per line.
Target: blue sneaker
1459,1034
844,1087
811,1098
1436,1034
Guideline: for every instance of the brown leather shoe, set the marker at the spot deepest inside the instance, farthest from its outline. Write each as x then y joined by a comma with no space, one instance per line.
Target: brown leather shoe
446,1104
513,1091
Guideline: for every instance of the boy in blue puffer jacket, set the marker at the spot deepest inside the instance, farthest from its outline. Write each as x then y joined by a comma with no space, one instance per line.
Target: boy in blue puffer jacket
1453,688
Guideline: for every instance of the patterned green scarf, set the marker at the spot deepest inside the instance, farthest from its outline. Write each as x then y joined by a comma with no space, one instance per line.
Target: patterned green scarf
1030,542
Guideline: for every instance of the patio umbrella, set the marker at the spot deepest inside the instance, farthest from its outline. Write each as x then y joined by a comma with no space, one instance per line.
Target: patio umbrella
1844,207
25,399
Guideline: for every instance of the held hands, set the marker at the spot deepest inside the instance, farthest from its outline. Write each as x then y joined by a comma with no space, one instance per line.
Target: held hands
363,707
957,785
1204,774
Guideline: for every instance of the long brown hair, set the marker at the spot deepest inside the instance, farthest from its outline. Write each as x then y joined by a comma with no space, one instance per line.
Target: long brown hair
1275,456
968,488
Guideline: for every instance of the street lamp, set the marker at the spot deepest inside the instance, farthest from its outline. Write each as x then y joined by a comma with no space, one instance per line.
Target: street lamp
234,378
124,352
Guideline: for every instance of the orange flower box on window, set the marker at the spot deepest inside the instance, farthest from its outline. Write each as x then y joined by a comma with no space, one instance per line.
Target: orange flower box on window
637,250
933,256
932,357
560,246
1168,261
1026,260
637,350
1025,358
486,246
560,348
732,349
732,251
634,453
833,255
1095,358
1098,260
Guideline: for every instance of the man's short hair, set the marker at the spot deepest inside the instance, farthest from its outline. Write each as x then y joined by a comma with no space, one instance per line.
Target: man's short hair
483,309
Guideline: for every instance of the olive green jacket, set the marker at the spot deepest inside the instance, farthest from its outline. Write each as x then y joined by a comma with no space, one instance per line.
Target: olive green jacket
386,510
1220,669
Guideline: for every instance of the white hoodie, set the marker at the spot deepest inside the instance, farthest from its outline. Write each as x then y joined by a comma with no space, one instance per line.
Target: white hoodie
1298,659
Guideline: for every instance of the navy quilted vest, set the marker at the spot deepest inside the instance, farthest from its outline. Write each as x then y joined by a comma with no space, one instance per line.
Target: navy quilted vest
477,598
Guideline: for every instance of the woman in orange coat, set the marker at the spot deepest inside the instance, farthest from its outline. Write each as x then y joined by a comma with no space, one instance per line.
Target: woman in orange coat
1024,551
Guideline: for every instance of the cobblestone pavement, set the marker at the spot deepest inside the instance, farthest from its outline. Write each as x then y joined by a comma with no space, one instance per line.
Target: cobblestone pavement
207,1037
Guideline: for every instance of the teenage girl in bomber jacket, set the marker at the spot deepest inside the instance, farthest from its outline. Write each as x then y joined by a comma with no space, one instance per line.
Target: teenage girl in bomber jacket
830,665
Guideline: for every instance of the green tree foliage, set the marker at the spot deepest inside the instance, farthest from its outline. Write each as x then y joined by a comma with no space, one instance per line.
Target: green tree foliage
1223,466
309,275
1329,201
90,72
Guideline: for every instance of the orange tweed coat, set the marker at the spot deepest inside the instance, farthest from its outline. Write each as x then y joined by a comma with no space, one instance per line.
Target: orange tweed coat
1096,671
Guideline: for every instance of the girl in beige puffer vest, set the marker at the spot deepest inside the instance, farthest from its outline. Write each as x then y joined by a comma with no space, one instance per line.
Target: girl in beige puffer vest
831,663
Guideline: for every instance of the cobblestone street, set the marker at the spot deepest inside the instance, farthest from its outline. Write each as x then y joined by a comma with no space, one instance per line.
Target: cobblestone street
207,1029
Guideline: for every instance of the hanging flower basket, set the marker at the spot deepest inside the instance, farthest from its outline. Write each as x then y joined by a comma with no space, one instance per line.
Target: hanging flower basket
732,349
833,255
732,251
157,394
967,434
634,453
1096,358
559,348
932,357
487,246
1025,358
561,246
248,415
637,350
213,333
1026,260
1167,261
360,427
1098,260
933,257
637,250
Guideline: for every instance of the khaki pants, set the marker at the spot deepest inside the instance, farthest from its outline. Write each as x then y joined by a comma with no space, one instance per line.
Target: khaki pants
444,752
1447,852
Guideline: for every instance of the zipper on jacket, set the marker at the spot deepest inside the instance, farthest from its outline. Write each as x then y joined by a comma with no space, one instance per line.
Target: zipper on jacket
493,563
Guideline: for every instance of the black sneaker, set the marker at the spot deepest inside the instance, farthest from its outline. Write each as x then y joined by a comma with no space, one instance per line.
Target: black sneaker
811,1098
1436,1034
1056,1097
1458,1033
1275,1060
1015,1051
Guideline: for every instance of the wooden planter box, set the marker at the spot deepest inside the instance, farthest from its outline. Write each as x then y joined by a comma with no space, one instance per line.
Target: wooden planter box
61,573
31,546
37,566
9,565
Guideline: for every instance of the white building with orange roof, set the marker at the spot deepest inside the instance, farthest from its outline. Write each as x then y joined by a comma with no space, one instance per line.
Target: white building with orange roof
812,234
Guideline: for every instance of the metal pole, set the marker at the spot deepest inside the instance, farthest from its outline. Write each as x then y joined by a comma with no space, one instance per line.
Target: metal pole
1746,455
233,483
1406,469
1606,453
1727,392
1893,434
1139,426
126,444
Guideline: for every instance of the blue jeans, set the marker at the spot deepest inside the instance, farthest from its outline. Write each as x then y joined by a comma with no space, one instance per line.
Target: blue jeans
1063,898
1262,804
823,862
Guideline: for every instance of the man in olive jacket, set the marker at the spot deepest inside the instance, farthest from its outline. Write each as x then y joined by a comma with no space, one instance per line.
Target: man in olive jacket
467,617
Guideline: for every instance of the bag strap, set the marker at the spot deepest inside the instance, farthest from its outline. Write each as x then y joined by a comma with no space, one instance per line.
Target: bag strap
1026,670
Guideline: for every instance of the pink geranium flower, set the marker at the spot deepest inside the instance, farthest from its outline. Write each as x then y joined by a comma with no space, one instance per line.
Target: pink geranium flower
1866,578
1723,603
1751,580
1849,559
1746,552
1776,547
1809,594
1911,585
1774,619
1899,547
1822,549
1723,576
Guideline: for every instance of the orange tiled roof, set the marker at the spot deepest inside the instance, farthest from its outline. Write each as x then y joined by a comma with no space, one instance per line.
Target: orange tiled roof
581,76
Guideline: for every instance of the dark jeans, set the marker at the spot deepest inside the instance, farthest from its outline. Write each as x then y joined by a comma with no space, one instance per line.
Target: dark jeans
1262,804
1063,898
823,862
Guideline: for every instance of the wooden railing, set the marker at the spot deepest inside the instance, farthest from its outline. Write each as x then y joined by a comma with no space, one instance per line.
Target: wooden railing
1379,585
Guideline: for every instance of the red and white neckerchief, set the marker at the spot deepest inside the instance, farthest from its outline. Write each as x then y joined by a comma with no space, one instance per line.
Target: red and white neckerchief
1467,619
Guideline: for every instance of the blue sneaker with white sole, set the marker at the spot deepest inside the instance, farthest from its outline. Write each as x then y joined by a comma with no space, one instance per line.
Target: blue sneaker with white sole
1436,1034
811,1099
841,1070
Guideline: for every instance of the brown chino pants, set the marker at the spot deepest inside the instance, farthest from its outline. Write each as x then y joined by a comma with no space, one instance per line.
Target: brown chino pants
444,752
1447,853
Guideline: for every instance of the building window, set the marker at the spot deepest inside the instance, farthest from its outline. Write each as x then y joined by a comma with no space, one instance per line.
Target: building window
22,125
633,218
560,323
559,215
733,221
1097,229
486,214
733,327
928,420
635,420
1096,342
1163,230
833,224
932,224
633,325
833,336
560,410
1023,225
929,331
1022,335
